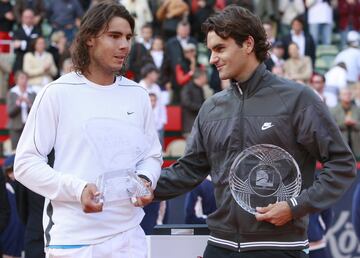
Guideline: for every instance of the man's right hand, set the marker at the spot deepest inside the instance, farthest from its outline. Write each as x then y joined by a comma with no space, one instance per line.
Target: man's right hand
88,199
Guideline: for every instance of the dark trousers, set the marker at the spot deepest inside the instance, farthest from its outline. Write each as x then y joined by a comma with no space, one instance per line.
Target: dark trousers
217,252
320,253
34,248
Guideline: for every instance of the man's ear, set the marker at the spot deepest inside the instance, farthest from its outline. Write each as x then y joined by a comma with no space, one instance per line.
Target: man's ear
90,42
249,44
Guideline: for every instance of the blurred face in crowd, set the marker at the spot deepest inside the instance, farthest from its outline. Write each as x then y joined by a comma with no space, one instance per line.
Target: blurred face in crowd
317,83
190,53
153,76
297,27
158,44
22,80
153,100
202,80
183,30
345,96
146,33
40,45
278,52
293,51
28,18
268,30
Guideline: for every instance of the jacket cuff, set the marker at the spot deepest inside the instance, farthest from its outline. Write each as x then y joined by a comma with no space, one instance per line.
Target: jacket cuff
145,177
297,207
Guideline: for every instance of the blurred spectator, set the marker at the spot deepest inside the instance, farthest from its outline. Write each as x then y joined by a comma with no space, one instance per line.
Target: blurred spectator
185,69
140,11
6,64
174,58
349,13
146,36
149,221
297,67
152,210
23,37
30,206
192,97
248,4
4,206
39,65
199,203
267,10
156,24
356,211
351,57
58,50
335,81
150,75
347,116
304,40
19,101
199,12
138,57
276,57
278,70
12,238
270,32
157,51
356,88
215,82
219,5
289,9
7,18
320,20
67,66
318,83
170,13
319,224
38,7
85,4
65,15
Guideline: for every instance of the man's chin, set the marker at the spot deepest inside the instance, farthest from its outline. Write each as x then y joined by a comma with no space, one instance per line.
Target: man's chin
223,76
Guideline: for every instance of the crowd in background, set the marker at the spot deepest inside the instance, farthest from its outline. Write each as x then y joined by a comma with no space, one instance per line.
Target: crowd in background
36,39
169,56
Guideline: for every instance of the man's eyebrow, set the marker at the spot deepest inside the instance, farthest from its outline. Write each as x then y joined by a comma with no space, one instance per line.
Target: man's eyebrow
217,46
115,32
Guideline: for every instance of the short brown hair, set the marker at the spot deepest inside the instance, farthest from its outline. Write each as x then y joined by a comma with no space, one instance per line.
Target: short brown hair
239,23
95,21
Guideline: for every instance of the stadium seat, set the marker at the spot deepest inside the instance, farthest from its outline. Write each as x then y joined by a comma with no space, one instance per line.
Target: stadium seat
175,148
326,50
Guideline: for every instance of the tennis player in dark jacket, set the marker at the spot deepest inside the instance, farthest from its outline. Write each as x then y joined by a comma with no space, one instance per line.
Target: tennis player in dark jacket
259,108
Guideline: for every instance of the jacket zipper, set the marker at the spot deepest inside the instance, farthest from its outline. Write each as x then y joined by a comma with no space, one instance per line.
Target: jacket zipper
241,138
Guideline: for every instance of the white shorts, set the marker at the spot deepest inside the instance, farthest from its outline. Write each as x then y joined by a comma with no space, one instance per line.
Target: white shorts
129,244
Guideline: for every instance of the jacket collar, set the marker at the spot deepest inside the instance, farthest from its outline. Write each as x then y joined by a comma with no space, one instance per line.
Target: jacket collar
250,86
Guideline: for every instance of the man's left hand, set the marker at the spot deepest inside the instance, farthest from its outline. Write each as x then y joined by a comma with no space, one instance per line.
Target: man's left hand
142,201
278,213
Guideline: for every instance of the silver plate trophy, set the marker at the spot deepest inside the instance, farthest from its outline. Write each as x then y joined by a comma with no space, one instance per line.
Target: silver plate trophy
264,174
118,147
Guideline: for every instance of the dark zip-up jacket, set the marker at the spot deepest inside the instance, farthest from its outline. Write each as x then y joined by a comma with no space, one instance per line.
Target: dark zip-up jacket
239,117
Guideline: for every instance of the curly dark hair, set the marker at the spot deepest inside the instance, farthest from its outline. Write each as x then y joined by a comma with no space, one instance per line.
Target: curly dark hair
239,23
95,21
